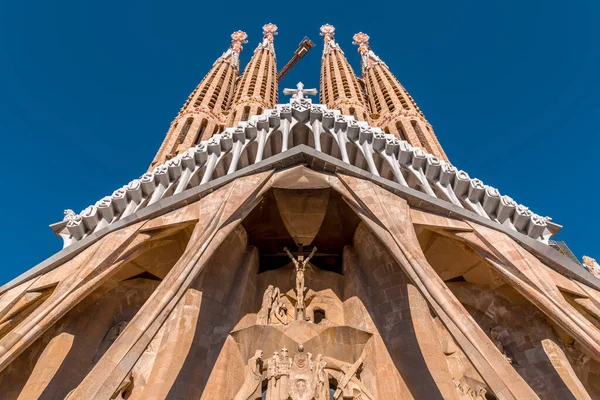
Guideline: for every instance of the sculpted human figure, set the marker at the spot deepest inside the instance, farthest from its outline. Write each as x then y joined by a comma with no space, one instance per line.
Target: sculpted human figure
273,378
300,266
251,388
302,360
263,315
278,310
283,373
321,378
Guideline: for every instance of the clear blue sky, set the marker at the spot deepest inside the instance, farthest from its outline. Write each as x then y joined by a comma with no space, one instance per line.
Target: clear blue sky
88,90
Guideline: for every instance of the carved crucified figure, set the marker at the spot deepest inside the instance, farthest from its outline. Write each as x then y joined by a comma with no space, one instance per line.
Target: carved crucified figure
301,264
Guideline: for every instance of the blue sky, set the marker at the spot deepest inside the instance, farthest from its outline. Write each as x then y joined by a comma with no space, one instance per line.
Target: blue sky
88,91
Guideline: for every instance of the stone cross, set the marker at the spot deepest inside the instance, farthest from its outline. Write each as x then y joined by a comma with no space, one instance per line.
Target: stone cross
299,92
301,263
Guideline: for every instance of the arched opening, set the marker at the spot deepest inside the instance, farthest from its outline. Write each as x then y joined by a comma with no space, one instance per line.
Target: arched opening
222,166
273,144
421,135
383,167
201,130
182,133
356,157
353,112
329,145
248,155
196,177
246,113
301,134
184,130
318,315
400,130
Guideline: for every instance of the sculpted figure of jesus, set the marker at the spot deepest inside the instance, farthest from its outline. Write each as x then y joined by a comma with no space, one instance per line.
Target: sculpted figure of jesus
300,266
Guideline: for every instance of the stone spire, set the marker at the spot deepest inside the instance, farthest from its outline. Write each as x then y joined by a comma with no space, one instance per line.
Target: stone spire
203,114
257,90
394,110
340,89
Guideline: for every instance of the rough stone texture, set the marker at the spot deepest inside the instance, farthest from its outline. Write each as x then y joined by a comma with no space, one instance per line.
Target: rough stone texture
400,304
192,296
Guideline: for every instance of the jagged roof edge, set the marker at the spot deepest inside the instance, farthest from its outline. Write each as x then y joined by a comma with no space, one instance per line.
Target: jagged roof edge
316,160
354,142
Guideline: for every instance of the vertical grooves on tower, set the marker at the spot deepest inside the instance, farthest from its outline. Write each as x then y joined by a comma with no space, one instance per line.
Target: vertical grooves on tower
258,85
395,110
203,112
339,85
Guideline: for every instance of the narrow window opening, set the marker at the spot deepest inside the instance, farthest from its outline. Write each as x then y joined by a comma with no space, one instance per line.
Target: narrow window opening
201,131
246,113
318,315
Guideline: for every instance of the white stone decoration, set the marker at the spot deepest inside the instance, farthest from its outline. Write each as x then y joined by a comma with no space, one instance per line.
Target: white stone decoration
340,136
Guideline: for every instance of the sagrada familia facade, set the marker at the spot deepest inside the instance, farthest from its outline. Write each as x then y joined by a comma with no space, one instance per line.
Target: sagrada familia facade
302,251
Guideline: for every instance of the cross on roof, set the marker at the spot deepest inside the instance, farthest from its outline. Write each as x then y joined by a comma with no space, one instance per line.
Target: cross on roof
299,92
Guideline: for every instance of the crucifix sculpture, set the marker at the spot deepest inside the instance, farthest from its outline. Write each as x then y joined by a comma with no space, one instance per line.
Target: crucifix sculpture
299,92
300,263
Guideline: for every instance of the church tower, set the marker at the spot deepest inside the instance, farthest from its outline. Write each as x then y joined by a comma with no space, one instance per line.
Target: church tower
340,89
303,251
257,89
393,108
204,112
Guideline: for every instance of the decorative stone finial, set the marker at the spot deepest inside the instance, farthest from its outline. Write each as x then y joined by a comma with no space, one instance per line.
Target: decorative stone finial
591,265
368,58
232,55
269,30
328,31
68,214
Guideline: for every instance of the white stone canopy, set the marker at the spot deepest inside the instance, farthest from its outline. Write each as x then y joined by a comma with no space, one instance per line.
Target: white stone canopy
302,123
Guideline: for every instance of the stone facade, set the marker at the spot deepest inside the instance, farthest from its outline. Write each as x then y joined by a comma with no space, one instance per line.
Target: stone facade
269,262
204,112
392,107
258,87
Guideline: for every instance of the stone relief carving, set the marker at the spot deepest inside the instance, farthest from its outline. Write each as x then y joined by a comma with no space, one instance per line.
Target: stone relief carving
283,375
591,265
302,378
321,391
302,383
272,377
349,386
273,310
300,265
470,390
251,388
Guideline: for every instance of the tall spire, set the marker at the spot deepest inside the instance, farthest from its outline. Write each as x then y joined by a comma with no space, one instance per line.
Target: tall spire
394,110
257,89
203,114
340,89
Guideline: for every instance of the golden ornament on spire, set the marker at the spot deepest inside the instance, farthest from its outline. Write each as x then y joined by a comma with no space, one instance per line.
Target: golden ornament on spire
362,40
269,30
327,31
